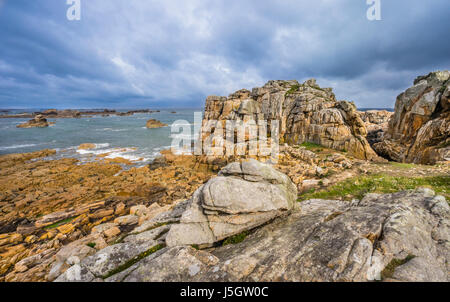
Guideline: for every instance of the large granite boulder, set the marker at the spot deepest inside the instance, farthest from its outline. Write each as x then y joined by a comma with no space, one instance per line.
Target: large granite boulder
306,113
244,195
402,236
419,131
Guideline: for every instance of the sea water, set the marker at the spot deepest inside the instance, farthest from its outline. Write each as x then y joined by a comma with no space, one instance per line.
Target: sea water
119,136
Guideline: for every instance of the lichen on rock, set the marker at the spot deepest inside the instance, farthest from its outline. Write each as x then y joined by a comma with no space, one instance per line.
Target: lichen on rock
419,131
305,112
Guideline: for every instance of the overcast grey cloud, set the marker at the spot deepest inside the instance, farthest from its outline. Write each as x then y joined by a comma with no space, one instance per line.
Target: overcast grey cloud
136,53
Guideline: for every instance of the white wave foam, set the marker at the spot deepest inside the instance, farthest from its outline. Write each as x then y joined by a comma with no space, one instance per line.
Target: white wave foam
111,153
111,129
162,148
98,146
97,150
130,157
17,146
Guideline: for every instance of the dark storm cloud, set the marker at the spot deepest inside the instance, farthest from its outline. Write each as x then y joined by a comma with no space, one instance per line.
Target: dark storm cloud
174,53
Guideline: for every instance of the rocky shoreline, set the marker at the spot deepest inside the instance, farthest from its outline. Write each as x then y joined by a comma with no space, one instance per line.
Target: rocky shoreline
332,208
72,113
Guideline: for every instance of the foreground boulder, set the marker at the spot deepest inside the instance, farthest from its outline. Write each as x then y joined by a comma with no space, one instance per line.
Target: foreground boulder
306,113
38,121
419,131
244,195
402,236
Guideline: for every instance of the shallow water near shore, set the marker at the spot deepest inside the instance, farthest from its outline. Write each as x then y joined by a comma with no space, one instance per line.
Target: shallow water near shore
119,136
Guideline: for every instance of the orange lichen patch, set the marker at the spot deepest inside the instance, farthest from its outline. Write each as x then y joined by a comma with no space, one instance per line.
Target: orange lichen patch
118,160
87,194
86,146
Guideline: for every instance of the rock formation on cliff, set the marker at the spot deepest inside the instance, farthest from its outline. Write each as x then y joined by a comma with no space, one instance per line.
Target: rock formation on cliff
37,122
376,122
306,113
419,131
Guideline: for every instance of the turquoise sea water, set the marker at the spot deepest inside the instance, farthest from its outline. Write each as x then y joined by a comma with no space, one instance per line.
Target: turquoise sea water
121,136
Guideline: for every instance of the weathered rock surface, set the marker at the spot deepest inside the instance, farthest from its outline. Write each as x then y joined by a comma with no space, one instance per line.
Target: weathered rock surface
402,236
419,131
377,117
306,113
90,259
244,195
326,240
45,205
38,121
152,123
110,258
376,122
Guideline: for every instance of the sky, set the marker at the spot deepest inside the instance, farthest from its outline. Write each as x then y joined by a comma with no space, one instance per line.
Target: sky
156,54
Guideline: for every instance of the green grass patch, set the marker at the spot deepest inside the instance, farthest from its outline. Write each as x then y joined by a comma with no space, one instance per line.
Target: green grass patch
236,238
389,270
402,165
134,260
59,223
311,146
293,89
357,187
91,244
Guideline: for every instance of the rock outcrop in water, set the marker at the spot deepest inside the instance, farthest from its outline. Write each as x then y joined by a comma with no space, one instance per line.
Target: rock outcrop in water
306,113
419,131
38,121
152,123
72,113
